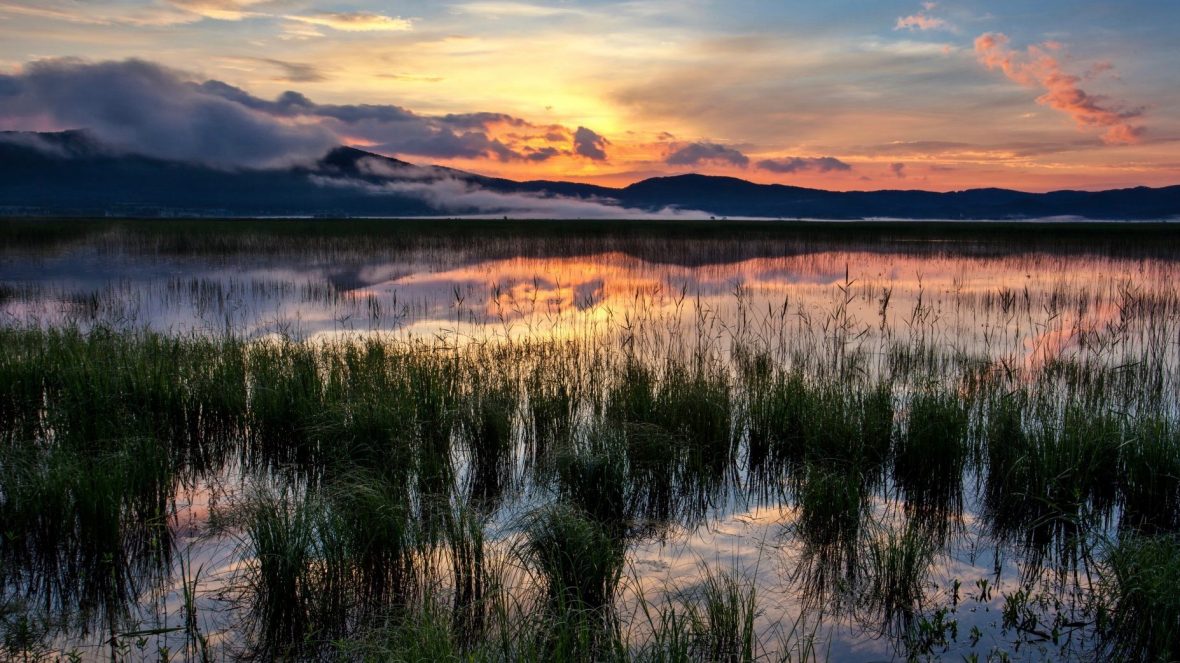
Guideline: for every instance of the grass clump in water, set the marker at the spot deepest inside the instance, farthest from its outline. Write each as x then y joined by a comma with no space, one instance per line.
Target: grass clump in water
778,421
722,618
594,480
286,402
283,532
579,563
792,423
897,562
931,458
679,436
84,530
552,406
323,564
1141,607
1047,486
1150,485
487,426
832,505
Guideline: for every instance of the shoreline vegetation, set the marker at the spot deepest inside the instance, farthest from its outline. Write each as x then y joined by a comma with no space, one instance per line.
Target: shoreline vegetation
196,495
22,229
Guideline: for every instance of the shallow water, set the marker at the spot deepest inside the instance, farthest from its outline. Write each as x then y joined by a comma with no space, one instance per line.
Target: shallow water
821,305
993,298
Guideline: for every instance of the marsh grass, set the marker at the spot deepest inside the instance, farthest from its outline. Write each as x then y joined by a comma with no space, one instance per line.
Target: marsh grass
487,425
390,472
595,481
1049,486
373,442
580,564
375,527
81,543
931,458
281,531
897,562
324,564
793,422
713,620
433,383
286,400
722,618
576,557
777,425
679,432
476,585
553,403
832,508
423,635
1149,462
1140,604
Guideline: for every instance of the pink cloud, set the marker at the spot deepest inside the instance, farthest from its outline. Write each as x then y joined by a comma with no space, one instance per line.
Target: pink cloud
1039,68
921,21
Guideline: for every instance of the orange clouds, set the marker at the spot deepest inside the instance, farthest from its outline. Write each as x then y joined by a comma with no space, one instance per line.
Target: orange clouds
1038,67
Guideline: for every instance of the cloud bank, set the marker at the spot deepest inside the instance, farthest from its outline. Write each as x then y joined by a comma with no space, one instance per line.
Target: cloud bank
147,109
144,108
1038,67
237,10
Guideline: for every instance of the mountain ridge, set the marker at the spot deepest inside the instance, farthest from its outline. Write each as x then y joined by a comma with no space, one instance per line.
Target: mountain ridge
68,173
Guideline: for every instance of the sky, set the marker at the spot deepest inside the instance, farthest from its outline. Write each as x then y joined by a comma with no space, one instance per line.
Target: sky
843,94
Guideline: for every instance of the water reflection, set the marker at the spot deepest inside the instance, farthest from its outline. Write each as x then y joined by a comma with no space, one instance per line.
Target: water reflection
890,442
1021,308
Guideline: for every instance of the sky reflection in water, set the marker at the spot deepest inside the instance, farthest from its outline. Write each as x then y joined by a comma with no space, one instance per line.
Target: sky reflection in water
1018,309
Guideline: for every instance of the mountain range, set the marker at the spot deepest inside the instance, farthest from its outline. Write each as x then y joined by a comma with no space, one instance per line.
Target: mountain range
71,173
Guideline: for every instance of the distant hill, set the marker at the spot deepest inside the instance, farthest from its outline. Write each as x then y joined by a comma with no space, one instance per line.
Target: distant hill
70,173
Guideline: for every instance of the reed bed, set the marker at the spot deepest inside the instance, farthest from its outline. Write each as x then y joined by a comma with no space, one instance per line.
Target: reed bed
460,496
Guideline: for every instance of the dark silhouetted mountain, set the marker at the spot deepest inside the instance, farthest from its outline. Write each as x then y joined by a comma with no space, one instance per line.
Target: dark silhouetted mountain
71,173
68,173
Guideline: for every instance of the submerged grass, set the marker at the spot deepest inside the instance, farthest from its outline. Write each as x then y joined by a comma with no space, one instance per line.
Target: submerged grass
594,480
487,426
322,565
282,533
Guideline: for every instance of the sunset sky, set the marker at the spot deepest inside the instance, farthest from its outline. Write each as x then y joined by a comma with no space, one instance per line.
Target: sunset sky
844,94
